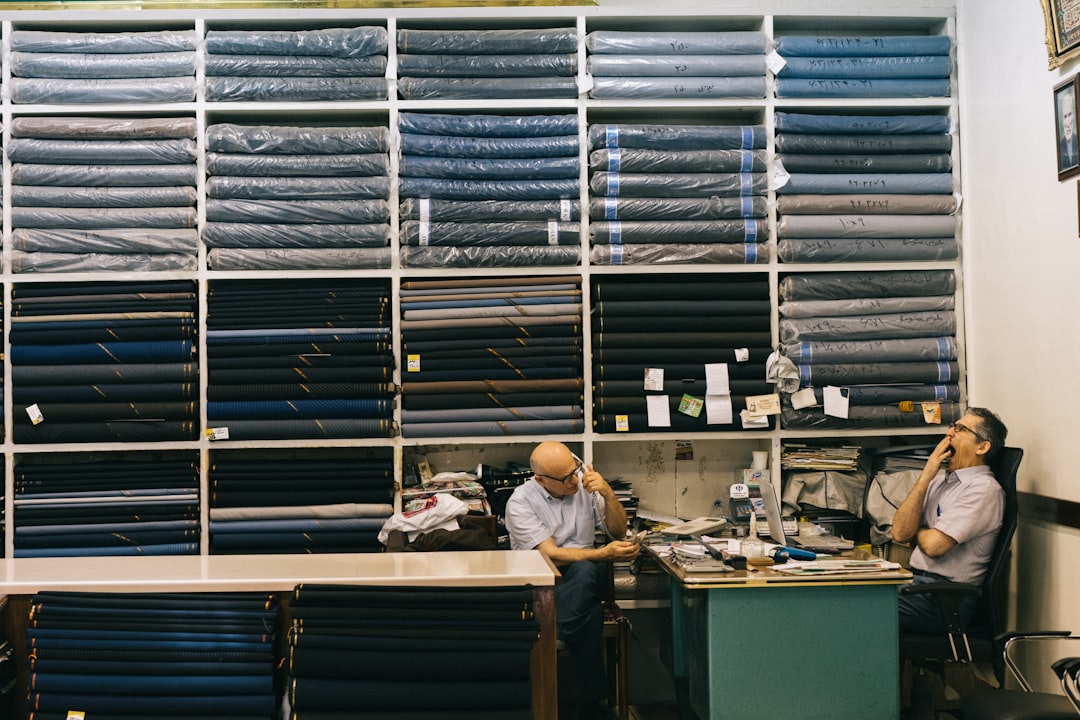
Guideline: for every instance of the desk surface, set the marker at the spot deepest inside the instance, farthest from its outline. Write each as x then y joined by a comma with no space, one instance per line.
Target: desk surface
767,576
231,573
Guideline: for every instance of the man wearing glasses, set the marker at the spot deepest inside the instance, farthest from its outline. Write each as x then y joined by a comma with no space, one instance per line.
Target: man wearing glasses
952,515
558,512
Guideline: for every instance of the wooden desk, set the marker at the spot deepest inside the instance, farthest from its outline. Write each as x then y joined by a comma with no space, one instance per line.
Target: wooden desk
22,578
767,645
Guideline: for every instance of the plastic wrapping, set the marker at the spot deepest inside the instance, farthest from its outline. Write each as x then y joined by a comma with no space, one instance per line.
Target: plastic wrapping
862,45
107,241
855,373
488,126
487,88
893,394
91,42
297,259
712,208
93,218
361,188
476,234
905,66
103,175
488,42
105,152
676,65
692,88
682,185
867,204
676,43
866,250
328,42
99,262
35,91
676,253
480,66
97,128
854,144
474,257
295,66
880,163
491,190
295,89
635,160
864,306
678,137
815,88
868,226
476,169
481,210
282,140
107,197
297,165
322,235
863,327
298,211
890,283
787,122
868,183
877,350
101,66
677,231
489,147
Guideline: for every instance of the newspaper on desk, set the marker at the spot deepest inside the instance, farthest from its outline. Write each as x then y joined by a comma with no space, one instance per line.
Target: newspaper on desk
694,557
835,567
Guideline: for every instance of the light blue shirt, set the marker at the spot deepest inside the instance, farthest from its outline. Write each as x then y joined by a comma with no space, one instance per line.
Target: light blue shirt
533,515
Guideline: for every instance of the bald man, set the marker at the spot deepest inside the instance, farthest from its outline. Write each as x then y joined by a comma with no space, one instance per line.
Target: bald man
558,512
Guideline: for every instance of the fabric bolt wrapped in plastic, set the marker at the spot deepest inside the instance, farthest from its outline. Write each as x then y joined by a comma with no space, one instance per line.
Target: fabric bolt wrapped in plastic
266,165
864,306
867,183
296,89
482,169
434,210
788,122
678,137
867,204
870,226
286,140
677,253
101,128
555,189
423,88
904,66
859,327
866,163
104,218
417,145
39,261
861,88
64,175
488,126
864,416
479,66
895,394
509,256
297,258
676,231
679,185
101,197
325,42
106,240
685,65
844,285
635,160
677,208
28,91
312,235
678,87
295,66
103,151
867,250
101,65
44,41
297,211
873,350
293,188
862,45
626,42
858,143
475,234
851,373
487,42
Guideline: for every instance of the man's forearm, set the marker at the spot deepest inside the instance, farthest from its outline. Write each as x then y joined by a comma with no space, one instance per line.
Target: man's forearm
908,517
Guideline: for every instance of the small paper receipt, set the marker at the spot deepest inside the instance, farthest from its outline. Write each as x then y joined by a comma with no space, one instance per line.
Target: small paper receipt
758,405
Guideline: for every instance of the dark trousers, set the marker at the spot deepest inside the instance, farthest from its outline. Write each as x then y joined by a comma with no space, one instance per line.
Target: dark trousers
920,614
580,620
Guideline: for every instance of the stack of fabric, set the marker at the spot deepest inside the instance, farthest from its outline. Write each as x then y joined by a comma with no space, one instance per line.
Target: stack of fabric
487,64
491,356
678,354
677,194
299,360
297,197
888,66
330,64
95,193
159,655
865,188
66,68
489,190
124,504
360,652
102,362
309,502
676,65
885,342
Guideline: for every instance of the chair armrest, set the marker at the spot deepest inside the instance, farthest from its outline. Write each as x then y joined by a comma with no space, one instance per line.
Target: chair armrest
943,589
1066,666
1005,638
1010,639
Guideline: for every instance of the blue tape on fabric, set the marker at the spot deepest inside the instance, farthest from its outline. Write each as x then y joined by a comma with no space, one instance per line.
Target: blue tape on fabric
751,254
941,393
805,352
747,161
749,230
943,347
747,207
944,372
747,138
615,160
613,185
616,255
612,136
745,184
804,376
611,208
615,233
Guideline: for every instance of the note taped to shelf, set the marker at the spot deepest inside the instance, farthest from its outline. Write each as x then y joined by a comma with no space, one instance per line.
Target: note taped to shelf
758,405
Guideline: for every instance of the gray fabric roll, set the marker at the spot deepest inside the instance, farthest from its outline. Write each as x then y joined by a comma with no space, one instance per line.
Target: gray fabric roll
635,160
677,231
35,91
676,65
96,128
864,306
866,327
262,235
102,197
866,204
410,317
248,188
866,416
867,250
882,350
102,175
656,42
678,253
510,256
294,89
866,226
107,241
297,259
698,88
101,65
298,165
95,42
295,66
99,262
712,208
880,163
340,510
298,211
93,218
328,42
276,139
678,185
104,152
890,283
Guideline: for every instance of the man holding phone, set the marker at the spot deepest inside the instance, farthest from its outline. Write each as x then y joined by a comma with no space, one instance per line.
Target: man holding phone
558,513
952,517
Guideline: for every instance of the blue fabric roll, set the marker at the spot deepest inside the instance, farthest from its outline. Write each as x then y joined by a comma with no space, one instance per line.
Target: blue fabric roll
279,409
486,42
488,126
872,68
328,42
867,183
295,66
677,137
138,352
657,42
694,88
789,122
476,169
890,350
492,190
414,144
861,88
294,89
487,66
684,65
414,88
862,45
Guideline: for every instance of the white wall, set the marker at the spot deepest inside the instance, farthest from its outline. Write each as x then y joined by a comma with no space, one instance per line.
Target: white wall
1022,257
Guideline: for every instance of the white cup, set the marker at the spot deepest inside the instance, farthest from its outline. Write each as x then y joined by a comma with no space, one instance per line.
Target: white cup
761,459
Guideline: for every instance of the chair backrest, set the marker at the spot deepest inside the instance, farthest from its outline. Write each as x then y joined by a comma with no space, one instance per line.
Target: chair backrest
991,610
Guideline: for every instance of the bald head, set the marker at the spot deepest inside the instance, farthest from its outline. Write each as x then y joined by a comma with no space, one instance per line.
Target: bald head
552,459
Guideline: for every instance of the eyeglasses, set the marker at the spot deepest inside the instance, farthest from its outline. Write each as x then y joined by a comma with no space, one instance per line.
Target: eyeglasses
961,427
575,473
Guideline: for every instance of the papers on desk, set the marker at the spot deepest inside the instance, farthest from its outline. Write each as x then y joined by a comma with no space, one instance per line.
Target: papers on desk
835,567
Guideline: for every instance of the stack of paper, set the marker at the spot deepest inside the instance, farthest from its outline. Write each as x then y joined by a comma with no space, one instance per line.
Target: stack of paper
800,456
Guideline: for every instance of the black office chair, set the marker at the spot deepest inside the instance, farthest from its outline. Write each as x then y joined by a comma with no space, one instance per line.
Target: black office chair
1024,704
962,643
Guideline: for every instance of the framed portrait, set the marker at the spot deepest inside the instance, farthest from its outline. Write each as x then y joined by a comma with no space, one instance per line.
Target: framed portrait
1065,130
1062,19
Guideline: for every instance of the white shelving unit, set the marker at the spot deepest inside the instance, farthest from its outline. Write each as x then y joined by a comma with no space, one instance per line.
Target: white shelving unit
685,487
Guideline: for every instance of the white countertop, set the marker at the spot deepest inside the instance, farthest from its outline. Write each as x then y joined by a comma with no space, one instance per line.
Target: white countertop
235,573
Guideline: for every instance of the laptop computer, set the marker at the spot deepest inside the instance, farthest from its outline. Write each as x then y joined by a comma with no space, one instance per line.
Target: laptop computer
823,544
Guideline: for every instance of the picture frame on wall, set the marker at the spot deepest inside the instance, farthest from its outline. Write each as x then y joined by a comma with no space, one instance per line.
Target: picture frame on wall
1065,127
1062,20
